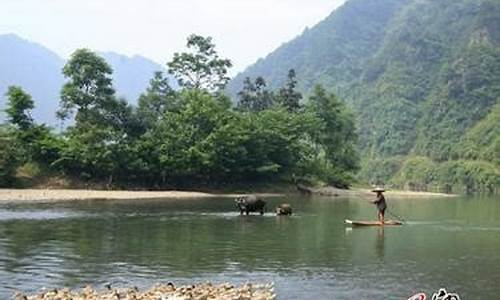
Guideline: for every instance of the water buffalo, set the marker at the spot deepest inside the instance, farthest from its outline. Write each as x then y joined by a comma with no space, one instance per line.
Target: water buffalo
250,203
284,210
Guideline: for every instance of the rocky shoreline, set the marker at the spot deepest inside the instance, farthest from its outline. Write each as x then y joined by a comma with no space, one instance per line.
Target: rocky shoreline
205,291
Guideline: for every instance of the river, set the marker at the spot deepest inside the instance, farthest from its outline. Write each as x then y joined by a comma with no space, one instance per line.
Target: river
452,243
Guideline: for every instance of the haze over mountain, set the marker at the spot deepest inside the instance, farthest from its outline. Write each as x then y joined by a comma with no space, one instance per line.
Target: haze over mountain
34,68
38,70
422,76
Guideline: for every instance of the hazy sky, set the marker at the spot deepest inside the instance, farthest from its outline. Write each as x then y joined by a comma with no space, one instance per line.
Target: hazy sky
243,30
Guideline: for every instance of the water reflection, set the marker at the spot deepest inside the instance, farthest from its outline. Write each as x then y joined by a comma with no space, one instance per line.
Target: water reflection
379,242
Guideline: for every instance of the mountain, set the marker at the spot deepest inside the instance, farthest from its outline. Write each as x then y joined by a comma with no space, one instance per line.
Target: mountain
131,75
334,52
422,76
38,70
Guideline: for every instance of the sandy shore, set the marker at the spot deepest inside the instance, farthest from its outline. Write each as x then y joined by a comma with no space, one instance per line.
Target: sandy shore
45,195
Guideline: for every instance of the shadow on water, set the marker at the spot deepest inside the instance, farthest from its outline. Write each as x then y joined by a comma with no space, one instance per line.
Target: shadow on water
310,254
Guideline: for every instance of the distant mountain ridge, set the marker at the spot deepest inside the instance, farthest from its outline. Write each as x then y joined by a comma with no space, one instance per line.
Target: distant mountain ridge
131,74
38,70
419,74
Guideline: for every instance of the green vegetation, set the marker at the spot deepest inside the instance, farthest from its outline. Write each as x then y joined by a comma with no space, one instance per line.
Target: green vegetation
482,142
423,79
8,158
421,173
181,138
420,77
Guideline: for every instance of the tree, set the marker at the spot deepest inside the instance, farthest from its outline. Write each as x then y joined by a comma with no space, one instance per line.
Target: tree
157,100
257,146
202,68
33,143
334,134
9,157
97,146
181,138
19,104
288,96
254,96
88,90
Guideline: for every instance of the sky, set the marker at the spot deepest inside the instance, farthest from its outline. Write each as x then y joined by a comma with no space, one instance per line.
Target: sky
243,30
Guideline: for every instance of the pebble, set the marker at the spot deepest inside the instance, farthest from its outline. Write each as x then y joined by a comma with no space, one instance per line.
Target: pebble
205,291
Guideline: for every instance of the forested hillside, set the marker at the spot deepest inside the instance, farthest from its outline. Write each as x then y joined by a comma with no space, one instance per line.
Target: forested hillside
423,78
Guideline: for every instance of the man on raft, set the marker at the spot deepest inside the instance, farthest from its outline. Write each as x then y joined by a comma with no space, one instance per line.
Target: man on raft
380,203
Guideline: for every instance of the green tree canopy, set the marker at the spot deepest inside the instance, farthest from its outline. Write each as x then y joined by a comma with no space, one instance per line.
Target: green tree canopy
255,96
19,105
158,99
89,89
9,158
202,68
187,137
288,95
335,131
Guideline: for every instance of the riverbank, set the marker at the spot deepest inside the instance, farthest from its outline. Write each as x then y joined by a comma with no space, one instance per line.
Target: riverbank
48,195
365,192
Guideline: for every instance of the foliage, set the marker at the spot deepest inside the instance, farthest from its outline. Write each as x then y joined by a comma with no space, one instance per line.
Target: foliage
94,147
158,99
182,136
255,96
380,171
191,136
9,158
470,93
202,68
18,108
418,172
288,96
482,142
459,176
88,89
335,131
28,141
420,76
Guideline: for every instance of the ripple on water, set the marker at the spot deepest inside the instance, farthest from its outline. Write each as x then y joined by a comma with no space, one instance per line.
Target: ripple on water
11,215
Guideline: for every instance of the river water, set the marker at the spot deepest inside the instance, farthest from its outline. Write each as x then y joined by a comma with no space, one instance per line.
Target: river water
452,243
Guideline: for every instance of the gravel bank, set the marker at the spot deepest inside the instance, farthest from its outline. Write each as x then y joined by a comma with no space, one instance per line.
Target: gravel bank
39,195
